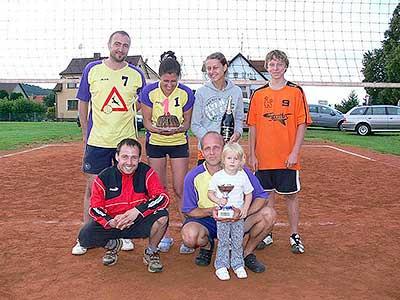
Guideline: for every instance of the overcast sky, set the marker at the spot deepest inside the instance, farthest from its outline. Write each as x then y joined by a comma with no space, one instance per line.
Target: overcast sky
324,39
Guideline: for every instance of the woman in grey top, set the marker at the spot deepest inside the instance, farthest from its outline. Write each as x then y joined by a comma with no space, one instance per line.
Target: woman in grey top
211,101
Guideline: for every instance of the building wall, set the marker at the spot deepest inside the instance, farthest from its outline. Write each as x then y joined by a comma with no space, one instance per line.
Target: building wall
239,69
67,93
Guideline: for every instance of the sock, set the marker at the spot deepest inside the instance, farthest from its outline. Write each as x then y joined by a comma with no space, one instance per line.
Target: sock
111,244
151,249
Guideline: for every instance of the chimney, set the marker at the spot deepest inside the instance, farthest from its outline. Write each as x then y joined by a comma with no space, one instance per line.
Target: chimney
97,55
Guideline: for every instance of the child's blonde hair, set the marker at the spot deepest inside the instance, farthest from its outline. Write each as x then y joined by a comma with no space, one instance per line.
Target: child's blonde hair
235,148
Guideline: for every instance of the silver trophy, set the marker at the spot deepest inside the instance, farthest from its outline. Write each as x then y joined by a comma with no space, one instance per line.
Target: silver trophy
225,211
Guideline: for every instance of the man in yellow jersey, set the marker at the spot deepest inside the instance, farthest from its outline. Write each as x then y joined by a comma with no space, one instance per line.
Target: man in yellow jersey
107,94
200,228
278,118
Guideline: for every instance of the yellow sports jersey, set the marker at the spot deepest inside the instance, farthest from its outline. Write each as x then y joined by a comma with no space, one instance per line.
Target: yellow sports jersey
111,95
195,189
180,101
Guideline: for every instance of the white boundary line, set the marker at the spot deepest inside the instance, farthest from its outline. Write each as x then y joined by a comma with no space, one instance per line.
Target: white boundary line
34,149
25,151
315,146
341,150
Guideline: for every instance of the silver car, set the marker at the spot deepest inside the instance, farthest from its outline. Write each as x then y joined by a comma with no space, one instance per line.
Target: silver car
325,116
372,118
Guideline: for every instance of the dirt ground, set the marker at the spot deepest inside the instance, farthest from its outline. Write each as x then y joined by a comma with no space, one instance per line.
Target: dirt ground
350,226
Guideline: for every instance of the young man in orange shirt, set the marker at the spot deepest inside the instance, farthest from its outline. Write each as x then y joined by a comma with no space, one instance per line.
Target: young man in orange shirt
277,119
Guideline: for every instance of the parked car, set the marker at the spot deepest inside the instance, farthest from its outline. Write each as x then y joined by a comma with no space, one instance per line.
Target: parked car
372,118
325,116
139,120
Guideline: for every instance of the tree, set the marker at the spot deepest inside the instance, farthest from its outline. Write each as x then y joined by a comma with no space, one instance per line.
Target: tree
347,104
383,64
15,96
3,94
49,100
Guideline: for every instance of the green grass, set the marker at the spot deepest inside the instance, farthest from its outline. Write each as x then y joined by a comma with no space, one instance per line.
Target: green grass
14,135
388,142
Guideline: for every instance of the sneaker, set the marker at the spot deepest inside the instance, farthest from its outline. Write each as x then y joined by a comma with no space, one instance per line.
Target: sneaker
185,249
165,244
127,245
111,256
222,274
265,242
253,264
296,245
152,260
78,249
203,259
241,273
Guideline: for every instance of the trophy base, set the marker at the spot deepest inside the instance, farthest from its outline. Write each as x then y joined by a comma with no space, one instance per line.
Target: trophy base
225,213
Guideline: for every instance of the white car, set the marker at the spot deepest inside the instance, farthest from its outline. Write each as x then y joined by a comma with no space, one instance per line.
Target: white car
372,118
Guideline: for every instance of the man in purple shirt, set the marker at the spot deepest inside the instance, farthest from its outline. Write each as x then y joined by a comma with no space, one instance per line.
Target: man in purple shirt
200,229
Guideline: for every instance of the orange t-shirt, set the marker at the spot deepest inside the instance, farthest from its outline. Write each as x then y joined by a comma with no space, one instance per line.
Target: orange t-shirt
276,114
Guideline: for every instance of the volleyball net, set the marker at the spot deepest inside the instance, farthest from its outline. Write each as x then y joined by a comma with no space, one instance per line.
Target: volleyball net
325,40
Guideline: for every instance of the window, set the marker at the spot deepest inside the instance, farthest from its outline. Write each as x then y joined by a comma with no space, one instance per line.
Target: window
251,76
313,109
72,104
358,111
72,85
244,91
393,111
378,111
235,75
325,110
246,105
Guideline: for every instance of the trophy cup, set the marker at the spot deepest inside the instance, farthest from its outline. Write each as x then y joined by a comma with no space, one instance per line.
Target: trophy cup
225,211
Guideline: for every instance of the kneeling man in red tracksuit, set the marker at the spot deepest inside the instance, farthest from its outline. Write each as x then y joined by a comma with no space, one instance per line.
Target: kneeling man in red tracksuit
128,201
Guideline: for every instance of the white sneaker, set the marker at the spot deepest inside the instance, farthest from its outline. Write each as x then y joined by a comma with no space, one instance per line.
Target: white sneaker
268,239
241,273
265,242
78,249
185,249
296,244
222,274
127,245
165,244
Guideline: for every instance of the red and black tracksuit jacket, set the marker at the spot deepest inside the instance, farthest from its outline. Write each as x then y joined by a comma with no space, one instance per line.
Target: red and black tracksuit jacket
115,192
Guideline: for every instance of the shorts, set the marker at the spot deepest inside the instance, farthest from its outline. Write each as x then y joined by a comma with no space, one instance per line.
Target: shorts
93,234
207,222
282,181
96,159
156,151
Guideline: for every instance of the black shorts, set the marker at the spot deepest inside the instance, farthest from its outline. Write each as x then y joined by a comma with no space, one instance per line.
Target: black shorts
93,234
282,181
96,159
155,151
